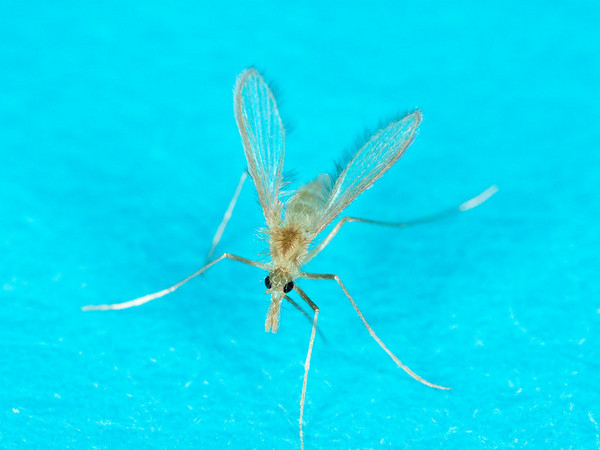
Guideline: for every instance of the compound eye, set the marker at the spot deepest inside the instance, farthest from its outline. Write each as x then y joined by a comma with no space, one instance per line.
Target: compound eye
288,287
268,282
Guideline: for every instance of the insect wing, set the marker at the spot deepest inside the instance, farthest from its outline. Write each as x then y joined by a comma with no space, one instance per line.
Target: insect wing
367,165
263,137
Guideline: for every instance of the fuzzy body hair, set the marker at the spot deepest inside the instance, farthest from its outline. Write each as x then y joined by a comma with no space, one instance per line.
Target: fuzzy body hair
288,247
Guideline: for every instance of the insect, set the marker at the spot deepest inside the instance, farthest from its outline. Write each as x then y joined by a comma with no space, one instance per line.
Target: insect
295,224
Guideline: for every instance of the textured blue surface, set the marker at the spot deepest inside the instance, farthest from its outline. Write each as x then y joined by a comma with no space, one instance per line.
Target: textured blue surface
120,153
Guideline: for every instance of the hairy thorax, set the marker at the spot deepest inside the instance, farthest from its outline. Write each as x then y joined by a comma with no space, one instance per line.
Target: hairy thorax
288,245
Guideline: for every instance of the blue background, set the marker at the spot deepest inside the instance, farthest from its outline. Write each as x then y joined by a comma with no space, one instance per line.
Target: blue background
119,154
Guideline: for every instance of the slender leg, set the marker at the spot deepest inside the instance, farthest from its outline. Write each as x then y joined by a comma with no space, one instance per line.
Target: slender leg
227,216
315,308
465,206
304,313
147,298
323,276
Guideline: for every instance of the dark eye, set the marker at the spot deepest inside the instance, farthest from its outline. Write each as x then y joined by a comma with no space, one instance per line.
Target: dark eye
288,287
268,282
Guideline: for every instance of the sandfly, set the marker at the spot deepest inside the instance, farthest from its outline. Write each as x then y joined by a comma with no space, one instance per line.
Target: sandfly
296,220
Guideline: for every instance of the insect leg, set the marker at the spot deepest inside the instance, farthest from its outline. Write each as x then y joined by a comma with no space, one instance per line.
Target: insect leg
304,313
315,308
147,298
465,206
227,216
323,276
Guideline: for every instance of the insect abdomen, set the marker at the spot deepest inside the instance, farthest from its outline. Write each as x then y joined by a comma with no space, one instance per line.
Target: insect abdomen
305,204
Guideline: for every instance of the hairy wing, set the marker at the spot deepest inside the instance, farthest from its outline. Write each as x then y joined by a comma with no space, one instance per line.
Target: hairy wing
263,136
367,165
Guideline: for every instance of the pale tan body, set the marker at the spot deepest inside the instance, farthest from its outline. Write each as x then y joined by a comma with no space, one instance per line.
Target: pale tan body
288,245
292,231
